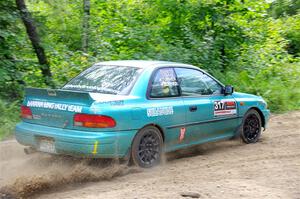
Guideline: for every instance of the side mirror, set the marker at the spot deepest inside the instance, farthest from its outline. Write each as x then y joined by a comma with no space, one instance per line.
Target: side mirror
228,90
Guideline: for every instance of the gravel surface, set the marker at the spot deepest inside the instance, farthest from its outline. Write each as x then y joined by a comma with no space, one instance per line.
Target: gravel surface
226,169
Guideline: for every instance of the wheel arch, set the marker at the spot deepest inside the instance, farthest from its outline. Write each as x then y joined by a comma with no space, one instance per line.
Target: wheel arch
158,127
263,121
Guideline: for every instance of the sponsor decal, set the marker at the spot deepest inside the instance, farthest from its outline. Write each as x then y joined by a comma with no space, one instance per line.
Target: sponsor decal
51,92
167,77
90,88
223,108
182,134
36,117
168,83
51,115
159,111
66,124
54,106
112,102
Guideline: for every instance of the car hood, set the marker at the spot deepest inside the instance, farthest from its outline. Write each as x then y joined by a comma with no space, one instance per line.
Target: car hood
245,95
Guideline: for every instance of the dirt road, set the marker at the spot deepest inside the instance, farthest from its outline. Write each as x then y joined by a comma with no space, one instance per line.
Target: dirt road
227,169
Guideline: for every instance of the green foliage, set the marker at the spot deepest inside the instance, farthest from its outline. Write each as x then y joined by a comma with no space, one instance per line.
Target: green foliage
291,32
288,13
278,84
9,75
282,8
8,118
253,45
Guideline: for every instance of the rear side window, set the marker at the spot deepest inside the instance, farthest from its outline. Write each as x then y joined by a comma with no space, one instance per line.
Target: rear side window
105,79
193,83
164,84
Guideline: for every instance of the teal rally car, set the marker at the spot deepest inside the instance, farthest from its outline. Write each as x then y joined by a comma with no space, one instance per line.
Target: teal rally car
137,109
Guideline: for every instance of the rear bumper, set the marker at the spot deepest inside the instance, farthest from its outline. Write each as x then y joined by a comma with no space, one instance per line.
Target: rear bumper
75,142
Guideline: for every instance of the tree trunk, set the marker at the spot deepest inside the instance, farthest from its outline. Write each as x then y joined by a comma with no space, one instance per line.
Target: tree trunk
223,58
85,25
35,41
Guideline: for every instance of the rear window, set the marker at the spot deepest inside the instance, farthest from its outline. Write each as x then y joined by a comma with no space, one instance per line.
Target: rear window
105,79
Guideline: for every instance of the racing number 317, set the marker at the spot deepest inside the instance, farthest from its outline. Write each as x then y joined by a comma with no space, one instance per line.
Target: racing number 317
219,105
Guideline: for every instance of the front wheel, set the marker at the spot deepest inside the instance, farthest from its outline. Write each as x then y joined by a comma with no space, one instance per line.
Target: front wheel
251,127
146,148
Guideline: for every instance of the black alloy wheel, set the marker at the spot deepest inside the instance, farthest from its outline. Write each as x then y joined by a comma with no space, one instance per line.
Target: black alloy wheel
251,128
147,147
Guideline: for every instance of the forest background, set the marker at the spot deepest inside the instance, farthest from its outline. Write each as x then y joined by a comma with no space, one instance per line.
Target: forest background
253,45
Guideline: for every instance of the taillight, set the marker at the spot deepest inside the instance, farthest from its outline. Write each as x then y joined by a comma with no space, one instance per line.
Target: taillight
93,121
26,112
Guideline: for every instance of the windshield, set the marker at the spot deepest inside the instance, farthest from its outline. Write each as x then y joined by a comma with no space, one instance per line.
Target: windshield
105,79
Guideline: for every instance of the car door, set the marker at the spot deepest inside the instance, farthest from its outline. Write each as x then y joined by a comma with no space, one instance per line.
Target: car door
200,95
165,106
225,110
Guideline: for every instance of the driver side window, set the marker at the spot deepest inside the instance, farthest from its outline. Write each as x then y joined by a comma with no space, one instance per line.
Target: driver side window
194,83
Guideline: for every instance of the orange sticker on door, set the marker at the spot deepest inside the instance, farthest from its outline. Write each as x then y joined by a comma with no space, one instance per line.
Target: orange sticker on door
182,134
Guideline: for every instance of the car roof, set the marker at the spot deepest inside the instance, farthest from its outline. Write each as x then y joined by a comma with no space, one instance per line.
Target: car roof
141,63
151,64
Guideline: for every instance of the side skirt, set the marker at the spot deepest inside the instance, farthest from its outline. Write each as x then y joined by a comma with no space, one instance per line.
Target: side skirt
183,146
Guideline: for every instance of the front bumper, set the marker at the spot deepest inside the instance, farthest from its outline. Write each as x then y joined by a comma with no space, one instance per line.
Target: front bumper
266,114
75,142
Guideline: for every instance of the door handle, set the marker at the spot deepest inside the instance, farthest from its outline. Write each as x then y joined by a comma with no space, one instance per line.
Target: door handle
193,108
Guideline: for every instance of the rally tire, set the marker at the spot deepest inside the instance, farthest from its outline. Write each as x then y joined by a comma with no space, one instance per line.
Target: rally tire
251,127
146,150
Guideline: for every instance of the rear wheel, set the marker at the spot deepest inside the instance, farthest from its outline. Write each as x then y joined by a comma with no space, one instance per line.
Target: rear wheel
147,147
251,127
